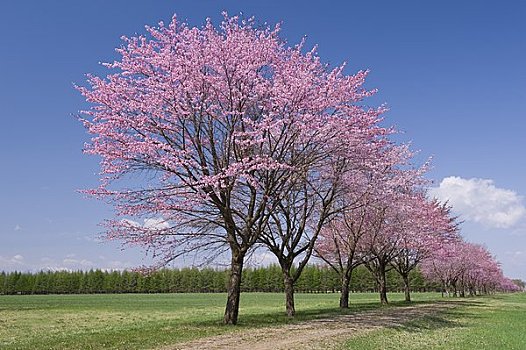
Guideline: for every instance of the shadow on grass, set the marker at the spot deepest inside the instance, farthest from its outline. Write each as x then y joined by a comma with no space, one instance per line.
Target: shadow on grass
277,318
444,319
429,323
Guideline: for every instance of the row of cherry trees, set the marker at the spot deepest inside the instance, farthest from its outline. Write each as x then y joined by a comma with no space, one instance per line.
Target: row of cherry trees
393,231
462,267
217,141
402,235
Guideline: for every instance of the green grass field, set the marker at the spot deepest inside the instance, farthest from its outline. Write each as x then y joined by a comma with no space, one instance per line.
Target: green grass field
493,322
146,321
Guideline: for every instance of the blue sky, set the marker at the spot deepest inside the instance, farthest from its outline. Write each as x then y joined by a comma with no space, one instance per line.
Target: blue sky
451,72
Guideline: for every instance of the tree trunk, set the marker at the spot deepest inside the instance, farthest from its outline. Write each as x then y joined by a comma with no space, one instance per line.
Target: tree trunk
344,296
447,290
382,284
289,293
234,288
407,289
383,292
462,288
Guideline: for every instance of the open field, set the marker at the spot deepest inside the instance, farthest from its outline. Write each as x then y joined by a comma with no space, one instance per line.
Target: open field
149,321
494,322
129,321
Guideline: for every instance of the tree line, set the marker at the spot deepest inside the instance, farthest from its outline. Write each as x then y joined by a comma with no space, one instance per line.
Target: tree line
314,279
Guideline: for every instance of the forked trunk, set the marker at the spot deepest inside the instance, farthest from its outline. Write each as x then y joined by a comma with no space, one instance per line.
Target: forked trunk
234,289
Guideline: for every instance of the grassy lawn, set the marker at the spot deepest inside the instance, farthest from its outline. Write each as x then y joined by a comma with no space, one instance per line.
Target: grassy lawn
494,322
144,321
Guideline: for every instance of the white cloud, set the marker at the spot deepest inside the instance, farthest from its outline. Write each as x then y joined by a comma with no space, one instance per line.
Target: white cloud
150,223
71,262
15,262
119,265
156,223
261,257
479,200
75,263
131,222
94,239
17,227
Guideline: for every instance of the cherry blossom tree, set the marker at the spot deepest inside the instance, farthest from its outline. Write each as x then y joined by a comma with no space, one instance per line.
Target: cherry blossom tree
338,247
441,266
379,246
388,220
520,284
314,198
346,242
204,133
424,226
480,271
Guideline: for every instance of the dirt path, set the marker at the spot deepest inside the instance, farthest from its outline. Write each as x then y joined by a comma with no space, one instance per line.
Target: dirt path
316,334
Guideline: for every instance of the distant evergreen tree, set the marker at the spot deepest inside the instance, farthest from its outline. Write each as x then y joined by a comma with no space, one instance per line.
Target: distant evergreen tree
95,281
2,282
24,284
314,279
11,281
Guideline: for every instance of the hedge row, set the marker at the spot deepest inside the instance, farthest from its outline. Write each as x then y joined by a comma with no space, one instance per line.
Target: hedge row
314,279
